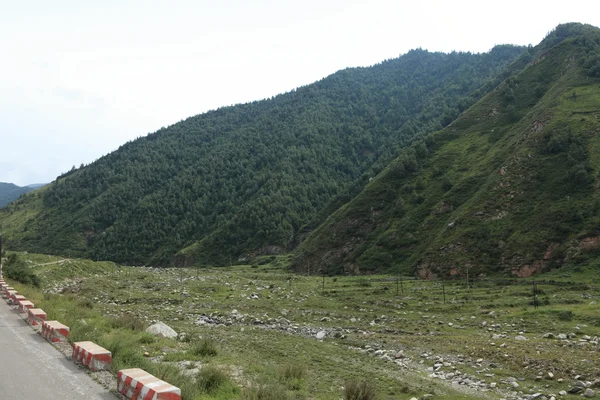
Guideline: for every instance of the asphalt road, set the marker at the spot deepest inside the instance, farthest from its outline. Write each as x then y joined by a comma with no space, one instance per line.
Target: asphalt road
32,369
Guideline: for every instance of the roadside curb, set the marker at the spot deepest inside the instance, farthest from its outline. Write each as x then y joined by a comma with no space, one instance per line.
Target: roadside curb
133,383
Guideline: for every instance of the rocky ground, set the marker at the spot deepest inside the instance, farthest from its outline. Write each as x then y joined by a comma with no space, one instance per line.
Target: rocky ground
485,342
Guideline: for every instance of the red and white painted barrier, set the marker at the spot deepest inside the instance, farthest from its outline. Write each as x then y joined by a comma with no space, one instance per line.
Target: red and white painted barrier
11,296
36,316
10,292
137,384
17,298
92,356
54,331
25,306
5,293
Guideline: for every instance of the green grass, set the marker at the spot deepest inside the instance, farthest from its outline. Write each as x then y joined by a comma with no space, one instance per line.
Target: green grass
387,313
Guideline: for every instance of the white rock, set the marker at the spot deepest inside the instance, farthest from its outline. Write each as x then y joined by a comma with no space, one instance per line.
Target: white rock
321,335
162,329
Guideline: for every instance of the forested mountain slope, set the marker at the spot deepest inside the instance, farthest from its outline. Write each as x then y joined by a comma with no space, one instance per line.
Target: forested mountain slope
510,186
243,180
10,192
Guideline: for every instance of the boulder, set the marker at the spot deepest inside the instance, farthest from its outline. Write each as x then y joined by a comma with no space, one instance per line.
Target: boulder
162,329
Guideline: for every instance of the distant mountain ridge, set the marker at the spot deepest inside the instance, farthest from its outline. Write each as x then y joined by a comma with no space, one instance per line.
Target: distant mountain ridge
36,185
242,181
10,192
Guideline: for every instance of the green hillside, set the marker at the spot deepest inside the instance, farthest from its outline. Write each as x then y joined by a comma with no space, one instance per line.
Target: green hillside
246,180
511,185
10,192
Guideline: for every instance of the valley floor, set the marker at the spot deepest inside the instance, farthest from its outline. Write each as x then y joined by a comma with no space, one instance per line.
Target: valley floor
307,336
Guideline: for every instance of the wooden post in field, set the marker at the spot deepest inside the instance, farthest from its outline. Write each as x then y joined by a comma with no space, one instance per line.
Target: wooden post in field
468,284
444,291
467,277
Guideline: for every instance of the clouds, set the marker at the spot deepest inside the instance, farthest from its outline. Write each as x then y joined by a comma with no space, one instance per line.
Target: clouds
82,78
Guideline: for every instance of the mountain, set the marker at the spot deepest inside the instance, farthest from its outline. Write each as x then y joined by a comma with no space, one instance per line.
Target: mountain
36,185
10,192
246,180
510,186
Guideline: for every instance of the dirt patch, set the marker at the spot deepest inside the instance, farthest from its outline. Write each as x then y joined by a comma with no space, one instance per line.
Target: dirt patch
590,243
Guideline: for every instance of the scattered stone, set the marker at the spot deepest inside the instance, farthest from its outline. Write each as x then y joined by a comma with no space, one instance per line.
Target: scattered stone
162,329
520,337
589,393
321,335
548,335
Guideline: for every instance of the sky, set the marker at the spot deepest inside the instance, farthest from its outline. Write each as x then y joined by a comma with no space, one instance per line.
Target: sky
80,78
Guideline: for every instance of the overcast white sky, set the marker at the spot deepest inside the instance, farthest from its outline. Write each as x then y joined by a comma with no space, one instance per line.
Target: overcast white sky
79,78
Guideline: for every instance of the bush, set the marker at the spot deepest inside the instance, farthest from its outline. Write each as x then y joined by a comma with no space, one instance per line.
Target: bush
147,338
205,348
87,303
168,373
363,390
125,353
264,392
292,375
210,378
19,271
128,321
363,282
565,315
293,371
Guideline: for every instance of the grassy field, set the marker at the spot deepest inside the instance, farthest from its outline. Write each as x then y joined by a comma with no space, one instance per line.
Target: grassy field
252,332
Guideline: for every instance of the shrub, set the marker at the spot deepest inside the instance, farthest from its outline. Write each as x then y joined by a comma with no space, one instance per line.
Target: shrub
125,354
292,375
362,390
565,315
210,378
205,348
87,303
19,271
364,282
147,338
167,372
128,321
264,392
